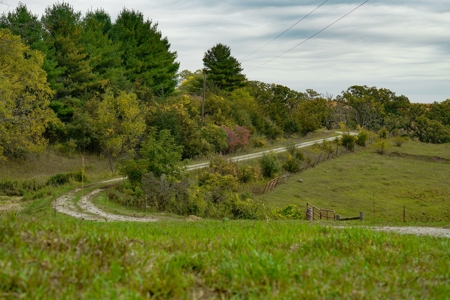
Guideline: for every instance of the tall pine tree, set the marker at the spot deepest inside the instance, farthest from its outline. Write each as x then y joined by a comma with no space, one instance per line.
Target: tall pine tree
223,70
146,54
105,56
64,39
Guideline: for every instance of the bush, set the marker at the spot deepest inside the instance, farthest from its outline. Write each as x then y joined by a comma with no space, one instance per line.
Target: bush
270,165
381,146
247,208
271,130
216,187
219,164
295,152
348,141
290,212
292,164
64,178
237,138
216,137
383,133
10,188
247,174
362,138
400,140
258,142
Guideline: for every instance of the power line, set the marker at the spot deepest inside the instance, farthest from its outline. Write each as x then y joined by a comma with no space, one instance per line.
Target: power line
285,30
304,41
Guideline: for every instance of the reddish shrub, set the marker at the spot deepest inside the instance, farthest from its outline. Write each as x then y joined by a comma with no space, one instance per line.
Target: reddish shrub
237,138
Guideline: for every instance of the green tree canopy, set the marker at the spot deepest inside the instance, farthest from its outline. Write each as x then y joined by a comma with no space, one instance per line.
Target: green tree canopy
64,38
24,98
105,56
23,22
120,123
440,112
223,70
146,54
159,155
374,108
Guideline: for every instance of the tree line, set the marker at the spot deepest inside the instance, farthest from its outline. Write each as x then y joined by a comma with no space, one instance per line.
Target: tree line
86,83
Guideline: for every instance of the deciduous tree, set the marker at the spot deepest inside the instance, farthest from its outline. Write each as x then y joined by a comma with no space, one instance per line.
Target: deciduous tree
24,98
27,25
120,123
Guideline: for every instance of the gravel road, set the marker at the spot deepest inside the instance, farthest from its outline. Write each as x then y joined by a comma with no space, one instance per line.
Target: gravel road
86,210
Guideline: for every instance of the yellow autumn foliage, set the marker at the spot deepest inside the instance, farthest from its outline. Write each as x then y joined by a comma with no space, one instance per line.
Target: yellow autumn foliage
120,122
24,98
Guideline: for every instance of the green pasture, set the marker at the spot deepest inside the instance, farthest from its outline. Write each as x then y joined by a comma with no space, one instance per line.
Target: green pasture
414,177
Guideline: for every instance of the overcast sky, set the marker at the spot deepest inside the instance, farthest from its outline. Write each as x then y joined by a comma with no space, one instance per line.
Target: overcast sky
402,45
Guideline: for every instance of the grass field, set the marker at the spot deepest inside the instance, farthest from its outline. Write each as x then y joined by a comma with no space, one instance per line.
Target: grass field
47,255
62,258
415,176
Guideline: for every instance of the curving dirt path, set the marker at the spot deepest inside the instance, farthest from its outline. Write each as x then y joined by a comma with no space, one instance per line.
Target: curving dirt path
86,210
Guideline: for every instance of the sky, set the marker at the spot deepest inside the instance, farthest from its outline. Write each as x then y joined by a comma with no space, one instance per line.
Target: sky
401,45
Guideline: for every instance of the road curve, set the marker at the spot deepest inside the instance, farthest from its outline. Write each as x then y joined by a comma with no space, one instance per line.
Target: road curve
86,210
260,154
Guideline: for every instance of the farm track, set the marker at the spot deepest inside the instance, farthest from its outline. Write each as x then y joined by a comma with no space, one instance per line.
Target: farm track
86,210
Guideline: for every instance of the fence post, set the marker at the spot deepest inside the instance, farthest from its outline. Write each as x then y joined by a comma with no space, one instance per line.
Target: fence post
309,214
338,217
404,213
361,216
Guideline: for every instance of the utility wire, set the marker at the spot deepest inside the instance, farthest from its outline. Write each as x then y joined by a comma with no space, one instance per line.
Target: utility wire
304,41
285,30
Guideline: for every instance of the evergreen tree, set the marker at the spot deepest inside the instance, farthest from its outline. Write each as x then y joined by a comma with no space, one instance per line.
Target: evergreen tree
23,23
105,58
146,54
223,69
64,39
28,26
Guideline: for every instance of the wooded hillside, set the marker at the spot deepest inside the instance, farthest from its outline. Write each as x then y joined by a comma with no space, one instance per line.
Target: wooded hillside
87,83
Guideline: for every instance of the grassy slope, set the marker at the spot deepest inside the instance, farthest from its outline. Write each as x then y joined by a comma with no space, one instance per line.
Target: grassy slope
44,255
49,163
62,258
378,185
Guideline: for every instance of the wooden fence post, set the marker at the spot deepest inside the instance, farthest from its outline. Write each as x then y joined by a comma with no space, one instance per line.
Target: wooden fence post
309,214
361,216
404,213
338,217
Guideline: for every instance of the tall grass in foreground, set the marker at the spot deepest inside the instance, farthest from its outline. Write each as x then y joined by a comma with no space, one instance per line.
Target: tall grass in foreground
71,259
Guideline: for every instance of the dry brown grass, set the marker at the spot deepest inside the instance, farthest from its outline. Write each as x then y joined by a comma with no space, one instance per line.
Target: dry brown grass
50,163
